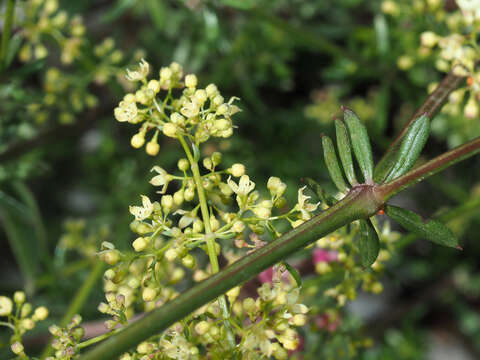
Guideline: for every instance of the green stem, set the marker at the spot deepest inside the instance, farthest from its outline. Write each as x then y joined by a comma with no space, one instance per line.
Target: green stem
7,29
78,301
209,235
362,201
430,168
97,339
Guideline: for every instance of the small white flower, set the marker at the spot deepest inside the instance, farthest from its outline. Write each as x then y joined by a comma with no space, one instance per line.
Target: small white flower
6,306
140,74
162,179
304,206
126,111
244,185
144,211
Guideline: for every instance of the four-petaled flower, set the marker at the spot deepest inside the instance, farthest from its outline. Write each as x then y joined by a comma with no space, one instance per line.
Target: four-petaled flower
144,211
140,74
304,206
162,179
244,185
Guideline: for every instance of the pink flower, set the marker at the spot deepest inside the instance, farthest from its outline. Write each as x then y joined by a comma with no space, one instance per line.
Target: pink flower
327,322
268,275
321,255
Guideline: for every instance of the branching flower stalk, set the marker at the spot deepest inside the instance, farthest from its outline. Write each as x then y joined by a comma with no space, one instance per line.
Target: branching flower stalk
361,202
209,235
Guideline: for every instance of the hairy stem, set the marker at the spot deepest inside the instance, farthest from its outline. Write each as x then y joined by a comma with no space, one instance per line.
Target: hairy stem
430,168
362,201
209,235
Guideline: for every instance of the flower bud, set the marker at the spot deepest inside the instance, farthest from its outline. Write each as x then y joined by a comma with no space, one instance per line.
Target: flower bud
191,81
139,244
211,90
149,294
170,130
249,304
177,119
26,310
171,254
178,197
40,313
17,348
6,306
202,327
138,140
152,147
189,194
167,202
188,261
237,170
19,297
183,164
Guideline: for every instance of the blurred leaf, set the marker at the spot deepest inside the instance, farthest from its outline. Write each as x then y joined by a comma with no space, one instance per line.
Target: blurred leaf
39,228
239,4
156,10
369,244
319,191
360,143
332,164
18,227
294,273
117,10
345,151
28,69
381,31
13,47
411,147
433,230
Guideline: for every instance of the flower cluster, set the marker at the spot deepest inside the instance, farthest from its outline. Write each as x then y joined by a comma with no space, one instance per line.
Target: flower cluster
20,318
448,40
327,101
44,20
66,340
197,113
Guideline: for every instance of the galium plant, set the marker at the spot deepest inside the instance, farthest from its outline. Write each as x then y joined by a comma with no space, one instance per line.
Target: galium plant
365,195
199,215
207,207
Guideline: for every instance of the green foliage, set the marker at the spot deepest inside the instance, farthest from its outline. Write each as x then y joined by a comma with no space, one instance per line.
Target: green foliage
432,230
63,157
369,243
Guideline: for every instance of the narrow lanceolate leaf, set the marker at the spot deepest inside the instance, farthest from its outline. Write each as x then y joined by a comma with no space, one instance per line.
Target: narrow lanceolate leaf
345,151
369,244
432,230
360,143
323,196
294,273
412,144
332,164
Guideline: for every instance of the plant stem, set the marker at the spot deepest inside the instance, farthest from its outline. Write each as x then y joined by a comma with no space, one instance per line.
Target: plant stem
97,339
78,301
361,202
7,29
209,235
430,168
430,107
